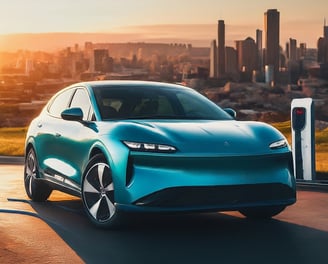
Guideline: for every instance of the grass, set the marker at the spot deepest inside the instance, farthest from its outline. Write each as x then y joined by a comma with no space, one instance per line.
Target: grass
321,141
12,143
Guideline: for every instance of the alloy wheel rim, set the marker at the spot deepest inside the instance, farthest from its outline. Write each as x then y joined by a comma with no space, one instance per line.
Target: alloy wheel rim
31,171
98,192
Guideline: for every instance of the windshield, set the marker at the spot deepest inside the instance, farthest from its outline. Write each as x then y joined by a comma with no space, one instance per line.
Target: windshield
159,102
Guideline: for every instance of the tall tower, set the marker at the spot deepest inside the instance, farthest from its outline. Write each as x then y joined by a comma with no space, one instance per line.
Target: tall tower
325,29
323,45
272,49
259,46
213,60
292,50
221,48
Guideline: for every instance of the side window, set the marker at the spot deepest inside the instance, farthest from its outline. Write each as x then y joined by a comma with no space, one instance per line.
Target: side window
81,100
60,103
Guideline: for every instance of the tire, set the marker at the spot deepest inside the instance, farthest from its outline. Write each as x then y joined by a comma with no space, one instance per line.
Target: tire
264,212
97,193
36,190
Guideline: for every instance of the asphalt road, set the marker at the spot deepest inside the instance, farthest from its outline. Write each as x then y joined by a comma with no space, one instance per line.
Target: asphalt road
58,232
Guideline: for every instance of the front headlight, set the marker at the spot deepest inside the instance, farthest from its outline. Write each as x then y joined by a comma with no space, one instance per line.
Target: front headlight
279,144
149,147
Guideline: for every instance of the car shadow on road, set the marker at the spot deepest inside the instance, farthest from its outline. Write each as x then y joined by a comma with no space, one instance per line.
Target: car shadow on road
184,238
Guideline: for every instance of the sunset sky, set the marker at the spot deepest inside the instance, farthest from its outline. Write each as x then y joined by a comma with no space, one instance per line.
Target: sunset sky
156,20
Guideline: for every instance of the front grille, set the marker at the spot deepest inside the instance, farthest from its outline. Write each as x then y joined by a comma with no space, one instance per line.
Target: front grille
217,196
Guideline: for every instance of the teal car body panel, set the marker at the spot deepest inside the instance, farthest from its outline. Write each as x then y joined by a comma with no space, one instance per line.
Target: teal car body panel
208,153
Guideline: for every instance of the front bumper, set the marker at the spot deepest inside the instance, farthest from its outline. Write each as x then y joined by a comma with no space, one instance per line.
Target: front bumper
218,196
180,183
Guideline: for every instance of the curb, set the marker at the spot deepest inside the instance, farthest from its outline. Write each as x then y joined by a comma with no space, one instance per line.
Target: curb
313,185
11,160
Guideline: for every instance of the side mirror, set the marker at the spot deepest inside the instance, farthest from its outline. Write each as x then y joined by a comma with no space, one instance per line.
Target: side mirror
231,112
72,114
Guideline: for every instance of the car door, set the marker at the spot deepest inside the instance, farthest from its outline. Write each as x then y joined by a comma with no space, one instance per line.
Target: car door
48,125
74,138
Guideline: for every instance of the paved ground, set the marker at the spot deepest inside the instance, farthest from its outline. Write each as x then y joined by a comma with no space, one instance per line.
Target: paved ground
25,238
59,232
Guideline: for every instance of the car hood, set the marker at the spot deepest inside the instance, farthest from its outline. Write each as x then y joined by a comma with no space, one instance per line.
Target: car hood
233,137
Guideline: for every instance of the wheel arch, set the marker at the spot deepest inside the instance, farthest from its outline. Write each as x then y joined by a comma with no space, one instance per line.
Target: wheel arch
95,151
116,157
29,145
99,149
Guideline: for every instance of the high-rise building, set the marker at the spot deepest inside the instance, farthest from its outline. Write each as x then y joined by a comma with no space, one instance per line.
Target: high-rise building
292,61
259,46
272,49
323,46
247,57
325,29
292,53
213,60
323,50
100,57
221,48
287,50
89,54
302,52
231,63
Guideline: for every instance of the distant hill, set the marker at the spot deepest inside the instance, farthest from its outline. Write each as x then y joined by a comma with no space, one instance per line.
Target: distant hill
54,41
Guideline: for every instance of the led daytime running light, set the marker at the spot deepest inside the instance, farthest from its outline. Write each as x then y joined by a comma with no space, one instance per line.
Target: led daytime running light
278,144
149,147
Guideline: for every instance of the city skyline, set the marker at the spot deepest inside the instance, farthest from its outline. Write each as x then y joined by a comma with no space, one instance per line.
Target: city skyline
163,21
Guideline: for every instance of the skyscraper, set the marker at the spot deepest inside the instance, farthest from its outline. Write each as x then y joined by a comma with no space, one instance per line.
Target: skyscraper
323,45
323,52
247,57
221,48
272,49
259,46
292,50
325,29
302,49
231,66
213,60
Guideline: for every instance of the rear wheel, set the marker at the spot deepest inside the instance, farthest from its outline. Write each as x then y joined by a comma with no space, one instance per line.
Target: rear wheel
35,189
262,212
98,193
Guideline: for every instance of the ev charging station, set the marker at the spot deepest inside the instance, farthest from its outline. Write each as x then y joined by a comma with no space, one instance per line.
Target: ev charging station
303,138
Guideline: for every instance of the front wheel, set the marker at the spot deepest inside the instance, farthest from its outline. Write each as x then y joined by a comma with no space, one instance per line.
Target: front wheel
35,189
262,212
98,193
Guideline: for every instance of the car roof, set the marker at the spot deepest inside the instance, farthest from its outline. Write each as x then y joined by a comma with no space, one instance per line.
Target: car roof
132,83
